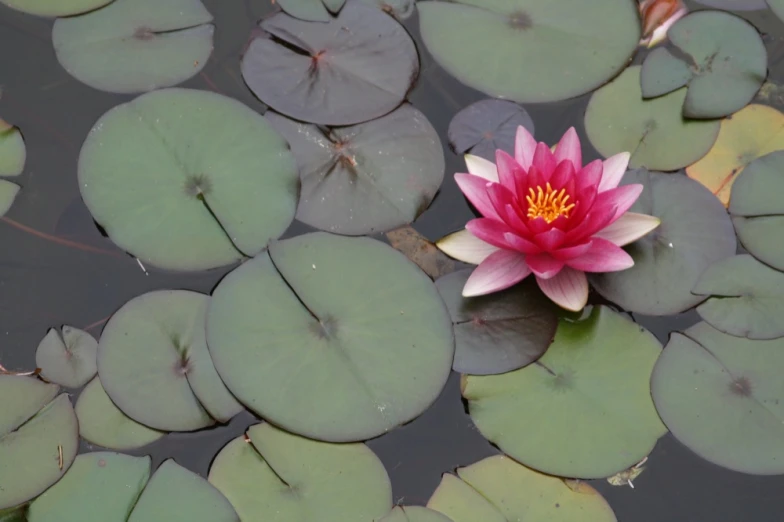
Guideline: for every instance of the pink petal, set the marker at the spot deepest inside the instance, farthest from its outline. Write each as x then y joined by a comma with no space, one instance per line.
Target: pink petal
522,245
569,149
550,240
569,289
603,256
481,167
500,197
490,231
499,271
475,190
465,247
565,254
614,169
544,266
525,145
597,219
564,172
584,202
538,225
508,170
589,176
544,161
628,228
620,197
532,180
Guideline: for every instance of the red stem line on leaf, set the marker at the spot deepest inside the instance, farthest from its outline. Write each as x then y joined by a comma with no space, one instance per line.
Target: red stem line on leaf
59,240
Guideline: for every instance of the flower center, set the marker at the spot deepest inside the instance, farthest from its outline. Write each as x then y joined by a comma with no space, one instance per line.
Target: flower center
547,203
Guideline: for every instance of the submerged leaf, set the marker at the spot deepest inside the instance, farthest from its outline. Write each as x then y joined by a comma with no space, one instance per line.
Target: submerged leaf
486,126
54,7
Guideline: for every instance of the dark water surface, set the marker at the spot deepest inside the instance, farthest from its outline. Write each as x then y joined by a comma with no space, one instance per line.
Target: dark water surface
44,283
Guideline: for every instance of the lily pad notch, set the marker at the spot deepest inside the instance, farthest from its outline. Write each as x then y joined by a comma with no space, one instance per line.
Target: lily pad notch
721,58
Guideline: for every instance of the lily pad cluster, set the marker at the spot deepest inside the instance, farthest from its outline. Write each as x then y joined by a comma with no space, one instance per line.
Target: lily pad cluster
723,61
106,487
39,438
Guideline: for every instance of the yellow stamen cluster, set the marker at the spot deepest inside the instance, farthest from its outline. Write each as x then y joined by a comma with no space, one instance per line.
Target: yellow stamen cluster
548,204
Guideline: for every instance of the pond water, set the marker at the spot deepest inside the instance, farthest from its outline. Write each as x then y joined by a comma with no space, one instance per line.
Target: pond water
57,268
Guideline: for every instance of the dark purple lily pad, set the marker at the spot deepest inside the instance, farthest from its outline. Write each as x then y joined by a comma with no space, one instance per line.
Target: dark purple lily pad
487,125
501,332
365,178
354,68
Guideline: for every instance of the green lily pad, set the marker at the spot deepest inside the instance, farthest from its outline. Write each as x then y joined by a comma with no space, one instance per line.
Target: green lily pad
365,178
618,119
383,334
68,361
37,453
695,232
13,152
501,332
23,398
188,180
311,10
154,364
723,397
275,476
727,64
175,494
54,7
414,514
8,192
498,489
99,487
757,209
531,51
662,73
134,46
104,424
400,9
747,298
584,409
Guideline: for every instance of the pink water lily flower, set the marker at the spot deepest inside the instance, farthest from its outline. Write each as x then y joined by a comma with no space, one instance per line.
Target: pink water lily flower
547,214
